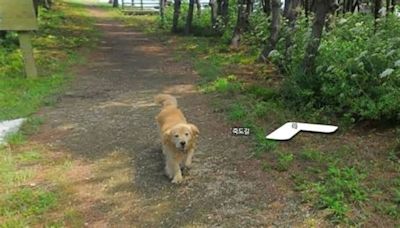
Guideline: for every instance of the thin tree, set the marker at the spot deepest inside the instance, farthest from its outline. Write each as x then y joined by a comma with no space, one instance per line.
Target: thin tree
393,6
377,7
286,7
115,3
266,6
36,7
214,11
322,9
3,34
223,10
189,18
177,11
241,22
274,29
198,5
162,12
293,11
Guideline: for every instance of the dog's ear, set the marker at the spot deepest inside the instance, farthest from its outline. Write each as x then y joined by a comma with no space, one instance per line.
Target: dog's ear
166,136
194,129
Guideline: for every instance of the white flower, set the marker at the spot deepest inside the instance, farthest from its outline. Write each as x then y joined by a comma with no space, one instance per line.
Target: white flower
386,73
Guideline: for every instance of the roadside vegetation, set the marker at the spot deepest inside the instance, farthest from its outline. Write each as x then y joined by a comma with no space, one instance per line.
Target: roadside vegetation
34,187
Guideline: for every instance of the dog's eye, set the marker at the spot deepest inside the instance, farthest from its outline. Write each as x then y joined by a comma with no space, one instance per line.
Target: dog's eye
176,136
187,134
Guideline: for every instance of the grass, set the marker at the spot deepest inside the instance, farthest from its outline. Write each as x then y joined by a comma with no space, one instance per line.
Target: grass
34,190
284,160
62,31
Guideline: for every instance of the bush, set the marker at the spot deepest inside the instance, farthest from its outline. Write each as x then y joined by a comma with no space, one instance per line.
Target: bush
357,74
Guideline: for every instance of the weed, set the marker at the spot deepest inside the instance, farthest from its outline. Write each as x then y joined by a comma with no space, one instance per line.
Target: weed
259,92
311,155
339,188
237,112
262,145
17,138
29,156
284,161
27,202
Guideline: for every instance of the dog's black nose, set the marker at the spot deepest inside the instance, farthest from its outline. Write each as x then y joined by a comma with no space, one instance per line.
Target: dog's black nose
183,143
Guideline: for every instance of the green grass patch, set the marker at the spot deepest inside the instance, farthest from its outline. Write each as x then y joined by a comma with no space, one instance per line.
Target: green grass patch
338,190
27,202
62,31
284,161
10,174
237,112
311,155
17,138
29,156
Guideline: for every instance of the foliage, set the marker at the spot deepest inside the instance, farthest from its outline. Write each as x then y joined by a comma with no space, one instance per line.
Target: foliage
61,31
284,161
353,79
337,190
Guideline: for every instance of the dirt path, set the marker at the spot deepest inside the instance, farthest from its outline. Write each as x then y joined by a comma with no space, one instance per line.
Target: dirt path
105,121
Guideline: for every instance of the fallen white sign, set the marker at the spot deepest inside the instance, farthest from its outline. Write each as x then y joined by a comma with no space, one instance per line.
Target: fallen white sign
290,129
8,127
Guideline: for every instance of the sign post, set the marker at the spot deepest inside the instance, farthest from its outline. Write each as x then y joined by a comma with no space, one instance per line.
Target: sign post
19,16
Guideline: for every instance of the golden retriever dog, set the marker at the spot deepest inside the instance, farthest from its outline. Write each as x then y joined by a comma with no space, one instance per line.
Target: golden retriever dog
178,137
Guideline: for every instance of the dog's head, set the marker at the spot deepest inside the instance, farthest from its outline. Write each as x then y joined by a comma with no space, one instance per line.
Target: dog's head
181,136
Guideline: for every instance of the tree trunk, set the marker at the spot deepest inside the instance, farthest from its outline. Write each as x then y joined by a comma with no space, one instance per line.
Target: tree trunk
36,7
355,5
162,12
274,30
115,3
225,11
387,7
198,5
393,6
306,9
293,11
238,30
322,9
377,7
286,8
214,11
47,4
175,20
189,18
3,34
266,5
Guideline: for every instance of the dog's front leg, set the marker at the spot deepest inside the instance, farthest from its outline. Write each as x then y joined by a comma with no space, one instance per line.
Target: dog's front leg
188,159
173,170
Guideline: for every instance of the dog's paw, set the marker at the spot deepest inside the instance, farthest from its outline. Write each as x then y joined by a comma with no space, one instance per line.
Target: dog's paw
177,179
185,170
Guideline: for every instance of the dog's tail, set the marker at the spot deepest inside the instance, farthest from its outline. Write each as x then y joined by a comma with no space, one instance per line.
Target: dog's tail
166,100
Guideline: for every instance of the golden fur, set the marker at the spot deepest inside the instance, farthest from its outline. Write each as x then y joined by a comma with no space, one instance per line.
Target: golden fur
178,137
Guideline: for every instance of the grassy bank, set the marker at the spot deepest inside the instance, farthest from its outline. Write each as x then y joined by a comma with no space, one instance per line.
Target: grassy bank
62,31
34,187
